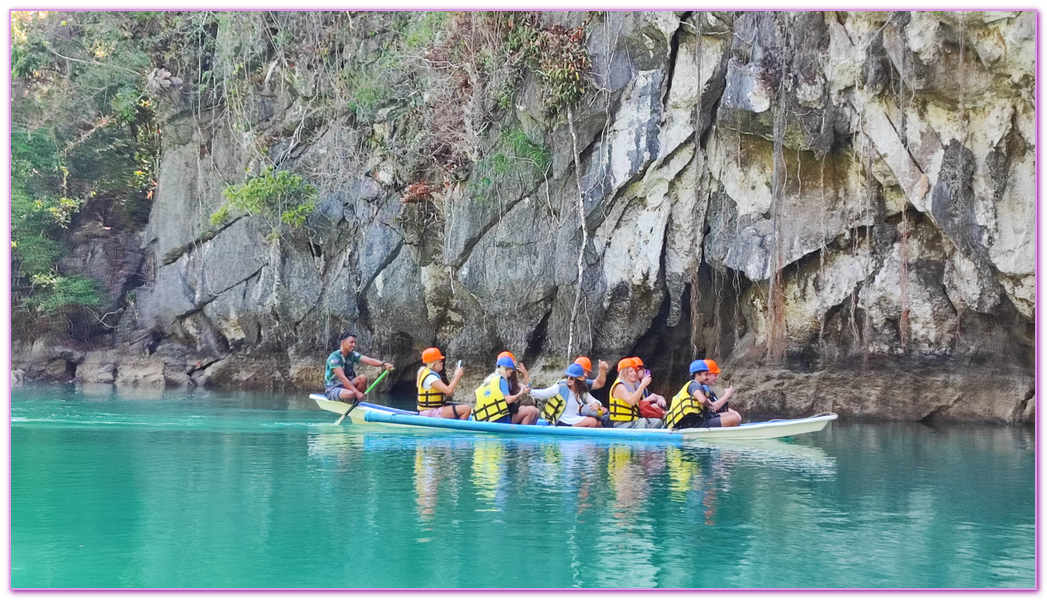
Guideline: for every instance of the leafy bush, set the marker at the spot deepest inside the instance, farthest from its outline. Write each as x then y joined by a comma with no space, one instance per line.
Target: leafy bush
558,56
525,149
514,154
278,195
54,295
84,138
35,253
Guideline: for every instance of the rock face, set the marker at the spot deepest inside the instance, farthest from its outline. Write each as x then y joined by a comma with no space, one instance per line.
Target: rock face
813,199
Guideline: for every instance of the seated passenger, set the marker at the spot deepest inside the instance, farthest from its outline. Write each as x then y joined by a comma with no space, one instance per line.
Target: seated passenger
433,392
624,399
569,402
493,398
517,380
692,408
600,380
652,397
714,375
341,383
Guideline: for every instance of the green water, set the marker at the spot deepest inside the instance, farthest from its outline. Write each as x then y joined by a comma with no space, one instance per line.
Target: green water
148,489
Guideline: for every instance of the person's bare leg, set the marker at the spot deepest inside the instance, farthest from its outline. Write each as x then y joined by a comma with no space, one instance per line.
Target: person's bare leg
360,382
527,415
730,419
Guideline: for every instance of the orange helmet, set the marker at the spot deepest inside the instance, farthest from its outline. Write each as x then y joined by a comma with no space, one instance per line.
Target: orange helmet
625,363
507,353
636,362
431,355
713,368
585,362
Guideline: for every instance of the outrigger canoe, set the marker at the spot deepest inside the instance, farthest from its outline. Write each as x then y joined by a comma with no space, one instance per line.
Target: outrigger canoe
366,412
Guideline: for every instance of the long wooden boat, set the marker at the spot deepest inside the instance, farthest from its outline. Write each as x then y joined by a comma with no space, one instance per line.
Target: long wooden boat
366,412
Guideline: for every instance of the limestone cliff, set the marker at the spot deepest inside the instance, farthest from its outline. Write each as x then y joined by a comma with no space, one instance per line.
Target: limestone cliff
838,207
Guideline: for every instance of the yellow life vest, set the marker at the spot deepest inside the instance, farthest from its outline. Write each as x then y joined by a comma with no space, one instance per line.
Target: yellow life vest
490,401
622,411
682,404
427,398
555,406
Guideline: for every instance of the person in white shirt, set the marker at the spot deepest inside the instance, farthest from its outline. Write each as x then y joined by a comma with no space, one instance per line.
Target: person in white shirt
569,402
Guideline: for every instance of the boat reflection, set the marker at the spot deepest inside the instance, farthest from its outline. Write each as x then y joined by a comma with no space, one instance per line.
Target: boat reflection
809,460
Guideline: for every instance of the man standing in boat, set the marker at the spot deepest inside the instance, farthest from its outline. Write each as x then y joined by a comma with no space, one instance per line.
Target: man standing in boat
340,379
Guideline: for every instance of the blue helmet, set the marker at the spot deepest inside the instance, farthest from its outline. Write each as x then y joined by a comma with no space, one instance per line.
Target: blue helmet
698,366
507,362
575,370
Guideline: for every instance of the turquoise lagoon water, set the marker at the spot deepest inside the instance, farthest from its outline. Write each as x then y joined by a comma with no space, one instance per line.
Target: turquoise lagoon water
173,489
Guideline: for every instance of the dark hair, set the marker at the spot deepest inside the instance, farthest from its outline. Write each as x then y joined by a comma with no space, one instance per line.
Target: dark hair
348,334
514,383
582,387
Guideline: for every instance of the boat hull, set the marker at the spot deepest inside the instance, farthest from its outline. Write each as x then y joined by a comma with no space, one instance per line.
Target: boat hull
357,415
374,413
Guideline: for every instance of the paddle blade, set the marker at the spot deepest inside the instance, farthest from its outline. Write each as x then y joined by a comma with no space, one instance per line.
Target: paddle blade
346,413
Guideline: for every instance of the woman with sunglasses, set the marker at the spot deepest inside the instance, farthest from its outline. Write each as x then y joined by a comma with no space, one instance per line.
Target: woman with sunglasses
568,401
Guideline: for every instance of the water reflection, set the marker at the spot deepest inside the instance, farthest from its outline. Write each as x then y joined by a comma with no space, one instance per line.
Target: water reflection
626,544
488,470
436,469
142,484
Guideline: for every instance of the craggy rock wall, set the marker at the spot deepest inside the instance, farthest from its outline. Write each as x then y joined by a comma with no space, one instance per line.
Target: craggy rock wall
838,207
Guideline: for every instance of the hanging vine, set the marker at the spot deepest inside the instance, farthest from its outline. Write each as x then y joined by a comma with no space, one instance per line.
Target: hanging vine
695,333
585,231
776,293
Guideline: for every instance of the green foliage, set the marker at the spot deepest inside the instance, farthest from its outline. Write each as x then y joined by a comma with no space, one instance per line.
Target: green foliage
83,134
515,154
561,60
54,295
367,93
35,253
279,195
525,149
420,33
86,136
558,56
36,220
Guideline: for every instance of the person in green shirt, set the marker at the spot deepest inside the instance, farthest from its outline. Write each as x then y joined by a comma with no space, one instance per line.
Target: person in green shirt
340,379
